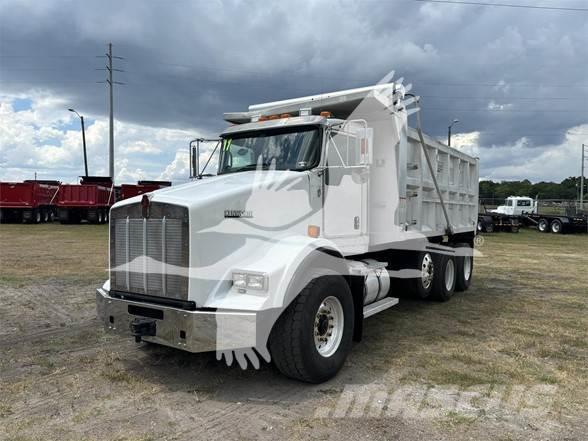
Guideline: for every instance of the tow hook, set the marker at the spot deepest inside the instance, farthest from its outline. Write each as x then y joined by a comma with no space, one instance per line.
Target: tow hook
141,327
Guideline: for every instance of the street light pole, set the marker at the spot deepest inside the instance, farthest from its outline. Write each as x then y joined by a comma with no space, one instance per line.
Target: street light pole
83,140
84,143
455,121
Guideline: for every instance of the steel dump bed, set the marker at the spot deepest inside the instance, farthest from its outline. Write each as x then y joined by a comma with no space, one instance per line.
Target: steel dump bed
28,194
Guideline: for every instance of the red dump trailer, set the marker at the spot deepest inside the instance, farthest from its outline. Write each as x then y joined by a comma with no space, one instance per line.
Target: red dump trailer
89,200
130,190
28,201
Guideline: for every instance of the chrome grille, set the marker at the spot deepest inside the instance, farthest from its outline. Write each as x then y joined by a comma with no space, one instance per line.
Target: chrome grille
150,255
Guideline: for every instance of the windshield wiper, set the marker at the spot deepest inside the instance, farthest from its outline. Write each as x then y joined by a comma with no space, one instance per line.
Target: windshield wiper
248,167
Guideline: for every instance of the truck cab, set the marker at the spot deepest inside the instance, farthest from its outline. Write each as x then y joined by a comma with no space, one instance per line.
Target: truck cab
317,204
516,206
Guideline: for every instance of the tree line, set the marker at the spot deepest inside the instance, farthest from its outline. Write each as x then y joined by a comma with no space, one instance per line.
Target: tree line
569,188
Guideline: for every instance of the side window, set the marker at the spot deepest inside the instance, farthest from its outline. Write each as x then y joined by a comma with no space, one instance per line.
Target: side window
523,203
242,156
509,202
343,150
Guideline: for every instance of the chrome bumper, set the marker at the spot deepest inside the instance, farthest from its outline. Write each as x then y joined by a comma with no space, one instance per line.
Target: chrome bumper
193,331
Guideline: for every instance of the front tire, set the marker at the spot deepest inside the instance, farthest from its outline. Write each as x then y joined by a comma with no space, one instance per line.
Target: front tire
312,338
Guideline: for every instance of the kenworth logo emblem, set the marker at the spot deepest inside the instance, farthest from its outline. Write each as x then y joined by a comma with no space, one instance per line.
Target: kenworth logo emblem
239,213
145,206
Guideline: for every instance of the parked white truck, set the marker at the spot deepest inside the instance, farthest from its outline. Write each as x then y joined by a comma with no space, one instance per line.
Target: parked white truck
516,206
318,204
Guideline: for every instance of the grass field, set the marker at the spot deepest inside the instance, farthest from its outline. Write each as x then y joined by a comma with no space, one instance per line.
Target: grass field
506,360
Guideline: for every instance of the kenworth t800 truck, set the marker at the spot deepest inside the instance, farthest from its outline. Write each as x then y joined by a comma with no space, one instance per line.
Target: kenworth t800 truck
322,210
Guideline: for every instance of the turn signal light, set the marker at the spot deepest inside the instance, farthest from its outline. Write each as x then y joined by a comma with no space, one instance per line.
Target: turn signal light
326,114
314,231
285,115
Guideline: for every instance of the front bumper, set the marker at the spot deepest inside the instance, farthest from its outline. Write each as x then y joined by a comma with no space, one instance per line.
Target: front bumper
193,331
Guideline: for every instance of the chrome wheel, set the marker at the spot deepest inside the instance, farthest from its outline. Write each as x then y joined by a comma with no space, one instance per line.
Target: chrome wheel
427,270
328,326
450,275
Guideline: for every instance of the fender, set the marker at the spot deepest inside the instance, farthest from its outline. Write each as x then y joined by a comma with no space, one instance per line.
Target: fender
283,263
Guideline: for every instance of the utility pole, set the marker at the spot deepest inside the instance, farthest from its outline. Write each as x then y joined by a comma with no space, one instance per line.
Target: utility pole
582,177
111,109
110,81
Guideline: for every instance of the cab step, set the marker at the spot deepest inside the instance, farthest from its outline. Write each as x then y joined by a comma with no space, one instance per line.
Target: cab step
379,306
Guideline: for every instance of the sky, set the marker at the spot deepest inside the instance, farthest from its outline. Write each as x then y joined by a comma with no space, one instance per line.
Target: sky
514,77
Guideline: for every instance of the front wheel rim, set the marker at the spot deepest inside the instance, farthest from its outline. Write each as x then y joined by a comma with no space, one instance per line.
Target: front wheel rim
328,326
449,275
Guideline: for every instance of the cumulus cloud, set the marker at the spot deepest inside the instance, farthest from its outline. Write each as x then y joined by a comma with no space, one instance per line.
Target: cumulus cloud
45,140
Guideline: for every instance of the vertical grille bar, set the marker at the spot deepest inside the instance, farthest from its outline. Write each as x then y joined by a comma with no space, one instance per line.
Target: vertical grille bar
163,258
145,255
127,253
154,250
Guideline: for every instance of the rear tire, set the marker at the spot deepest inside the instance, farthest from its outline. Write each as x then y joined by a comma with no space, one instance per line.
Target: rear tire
45,215
465,267
489,228
37,216
322,310
543,225
445,277
65,216
99,218
556,226
422,286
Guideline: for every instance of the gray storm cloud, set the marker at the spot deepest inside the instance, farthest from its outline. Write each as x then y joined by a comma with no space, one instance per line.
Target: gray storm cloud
506,73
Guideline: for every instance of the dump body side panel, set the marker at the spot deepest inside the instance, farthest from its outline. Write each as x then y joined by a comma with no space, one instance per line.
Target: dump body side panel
27,194
73,195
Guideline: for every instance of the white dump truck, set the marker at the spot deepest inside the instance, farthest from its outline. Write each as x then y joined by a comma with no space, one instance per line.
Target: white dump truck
322,210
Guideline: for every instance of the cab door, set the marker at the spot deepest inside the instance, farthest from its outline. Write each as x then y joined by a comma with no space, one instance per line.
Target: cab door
345,188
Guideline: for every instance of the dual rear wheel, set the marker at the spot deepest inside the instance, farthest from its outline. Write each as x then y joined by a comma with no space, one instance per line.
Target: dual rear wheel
441,274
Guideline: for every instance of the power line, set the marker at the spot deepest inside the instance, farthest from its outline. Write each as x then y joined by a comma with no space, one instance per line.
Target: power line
506,5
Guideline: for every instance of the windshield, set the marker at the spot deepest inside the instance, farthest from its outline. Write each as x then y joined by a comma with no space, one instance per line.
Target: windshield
279,149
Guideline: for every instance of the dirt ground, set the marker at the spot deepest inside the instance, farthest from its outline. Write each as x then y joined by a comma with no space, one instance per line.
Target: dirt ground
506,360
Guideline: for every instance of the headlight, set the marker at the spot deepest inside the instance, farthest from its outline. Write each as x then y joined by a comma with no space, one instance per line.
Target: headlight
244,280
